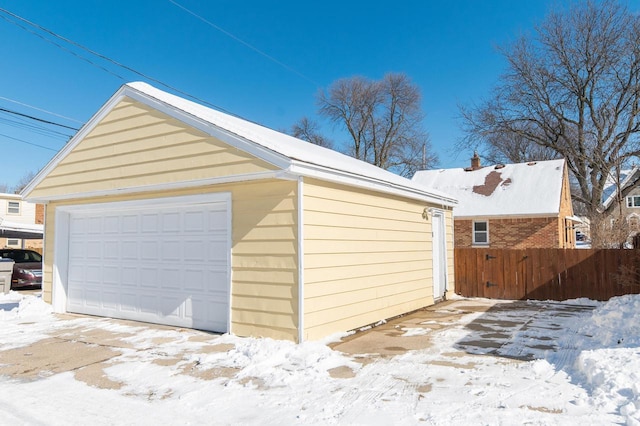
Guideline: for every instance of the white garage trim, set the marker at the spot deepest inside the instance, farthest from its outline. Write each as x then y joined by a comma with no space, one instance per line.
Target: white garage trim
300,260
63,227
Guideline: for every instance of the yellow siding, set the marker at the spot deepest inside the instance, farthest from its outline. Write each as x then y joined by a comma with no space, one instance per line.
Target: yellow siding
264,254
135,145
367,257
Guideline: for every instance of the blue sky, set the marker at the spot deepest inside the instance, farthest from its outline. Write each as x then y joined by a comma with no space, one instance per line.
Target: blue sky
448,48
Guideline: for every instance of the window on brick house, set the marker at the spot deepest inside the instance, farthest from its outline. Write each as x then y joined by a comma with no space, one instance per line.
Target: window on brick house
480,232
633,201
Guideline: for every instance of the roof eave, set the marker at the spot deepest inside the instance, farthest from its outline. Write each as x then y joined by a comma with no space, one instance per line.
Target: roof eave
364,182
284,165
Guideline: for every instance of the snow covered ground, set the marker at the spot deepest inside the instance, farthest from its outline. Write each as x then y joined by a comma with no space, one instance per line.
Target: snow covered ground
591,377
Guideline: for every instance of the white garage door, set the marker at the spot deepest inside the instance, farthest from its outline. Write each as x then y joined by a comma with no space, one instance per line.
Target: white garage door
164,261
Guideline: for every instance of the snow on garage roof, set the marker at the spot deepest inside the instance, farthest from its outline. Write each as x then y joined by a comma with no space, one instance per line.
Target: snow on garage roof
524,189
294,156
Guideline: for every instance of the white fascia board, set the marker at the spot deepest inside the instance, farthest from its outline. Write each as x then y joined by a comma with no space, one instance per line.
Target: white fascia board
543,215
269,156
364,182
73,142
277,174
12,196
278,160
623,186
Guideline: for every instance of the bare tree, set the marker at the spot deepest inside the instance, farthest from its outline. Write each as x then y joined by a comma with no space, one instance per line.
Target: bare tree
307,130
23,182
4,188
383,119
514,148
572,88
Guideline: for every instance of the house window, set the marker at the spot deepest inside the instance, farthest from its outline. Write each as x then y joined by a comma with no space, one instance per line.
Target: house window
633,201
13,207
481,233
13,242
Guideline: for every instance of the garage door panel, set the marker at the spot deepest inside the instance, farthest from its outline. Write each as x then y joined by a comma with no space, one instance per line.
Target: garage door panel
194,221
111,275
162,263
110,300
171,223
149,250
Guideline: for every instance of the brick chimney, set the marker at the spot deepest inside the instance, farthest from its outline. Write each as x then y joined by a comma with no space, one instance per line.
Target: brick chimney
475,161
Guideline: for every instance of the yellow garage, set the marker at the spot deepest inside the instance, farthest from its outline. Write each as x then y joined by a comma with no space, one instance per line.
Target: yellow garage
166,211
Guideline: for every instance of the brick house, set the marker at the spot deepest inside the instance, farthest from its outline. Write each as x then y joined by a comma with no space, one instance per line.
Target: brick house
525,205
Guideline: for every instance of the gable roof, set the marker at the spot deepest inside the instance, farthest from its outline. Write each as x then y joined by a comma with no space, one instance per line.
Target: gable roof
293,156
627,178
523,189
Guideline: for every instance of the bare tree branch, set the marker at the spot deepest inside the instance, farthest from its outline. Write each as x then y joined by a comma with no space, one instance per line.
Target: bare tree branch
573,90
383,120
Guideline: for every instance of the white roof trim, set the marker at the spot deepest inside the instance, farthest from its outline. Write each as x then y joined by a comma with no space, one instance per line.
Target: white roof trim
198,117
224,135
622,187
277,174
574,219
364,182
507,216
7,195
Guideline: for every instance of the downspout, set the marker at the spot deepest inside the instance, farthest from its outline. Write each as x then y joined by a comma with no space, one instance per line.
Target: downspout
300,260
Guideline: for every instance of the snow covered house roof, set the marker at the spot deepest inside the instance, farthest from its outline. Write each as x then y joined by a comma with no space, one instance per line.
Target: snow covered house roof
523,189
627,177
293,156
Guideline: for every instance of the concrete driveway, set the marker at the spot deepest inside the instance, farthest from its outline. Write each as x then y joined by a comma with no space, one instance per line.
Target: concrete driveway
86,345
492,329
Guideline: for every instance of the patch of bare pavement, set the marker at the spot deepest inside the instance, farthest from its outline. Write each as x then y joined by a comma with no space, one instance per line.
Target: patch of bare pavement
491,328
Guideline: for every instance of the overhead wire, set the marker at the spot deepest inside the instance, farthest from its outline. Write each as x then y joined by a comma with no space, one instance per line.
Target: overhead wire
8,111
40,109
119,64
239,40
28,143
99,55
39,129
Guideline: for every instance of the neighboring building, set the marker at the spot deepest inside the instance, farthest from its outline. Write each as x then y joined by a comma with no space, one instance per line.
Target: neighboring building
17,218
165,211
526,205
622,207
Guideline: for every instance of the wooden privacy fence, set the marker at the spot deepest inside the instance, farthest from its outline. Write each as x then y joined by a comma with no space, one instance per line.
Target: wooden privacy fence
546,274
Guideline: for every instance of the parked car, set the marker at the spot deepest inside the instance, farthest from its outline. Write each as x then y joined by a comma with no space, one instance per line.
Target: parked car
27,270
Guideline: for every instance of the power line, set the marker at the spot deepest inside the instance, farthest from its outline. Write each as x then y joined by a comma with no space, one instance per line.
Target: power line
54,43
239,40
28,143
40,109
34,127
99,55
8,111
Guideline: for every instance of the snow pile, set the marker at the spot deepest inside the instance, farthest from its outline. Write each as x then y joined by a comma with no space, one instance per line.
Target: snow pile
283,362
609,360
16,306
615,323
